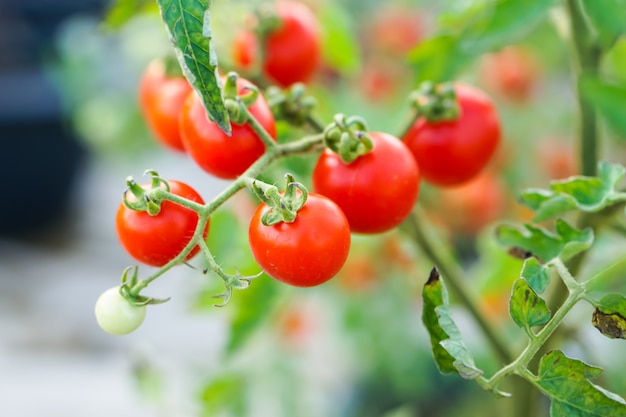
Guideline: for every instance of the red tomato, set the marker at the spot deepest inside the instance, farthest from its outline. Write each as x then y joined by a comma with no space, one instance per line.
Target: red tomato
245,50
377,191
394,29
473,205
155,240
218,154
293,51
304,253
452,152
161,98
513,72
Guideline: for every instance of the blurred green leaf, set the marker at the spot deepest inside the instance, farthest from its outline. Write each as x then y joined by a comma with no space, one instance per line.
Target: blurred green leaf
543,244
566,382
188,23
588,194
526,307
609,100
339,46
121,11
223,394
482,28
607,18
450,353
536,275
610,316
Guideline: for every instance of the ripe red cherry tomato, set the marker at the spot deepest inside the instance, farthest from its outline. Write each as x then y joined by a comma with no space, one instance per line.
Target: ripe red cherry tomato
155,240
304,253
512,72
218,154
377,191
161,98
292,51
452,152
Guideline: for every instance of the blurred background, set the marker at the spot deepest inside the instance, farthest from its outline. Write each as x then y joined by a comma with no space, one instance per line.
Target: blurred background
72,131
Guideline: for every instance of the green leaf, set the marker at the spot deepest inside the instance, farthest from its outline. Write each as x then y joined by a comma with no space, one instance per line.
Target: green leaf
608,99
223,394
482,28
438,59
607,18
121,11
588,194
543,244
339,46
566,382
188,24
527,308
610,316
502,23
450,353
536,275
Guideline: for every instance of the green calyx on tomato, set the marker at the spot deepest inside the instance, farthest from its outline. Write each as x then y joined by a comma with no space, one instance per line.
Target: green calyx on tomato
283,206
435,102
348,137
236,99
145,198
306,252
291,104
377,191
451,152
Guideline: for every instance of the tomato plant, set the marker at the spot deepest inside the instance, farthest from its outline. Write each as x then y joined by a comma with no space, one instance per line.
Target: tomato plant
157,239
377,191
306,252
450,152
116,315
292,49
161,99
213,150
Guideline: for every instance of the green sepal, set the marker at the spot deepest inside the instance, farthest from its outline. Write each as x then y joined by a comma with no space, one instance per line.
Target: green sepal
610,316
566,382
281,207
450,353
348,137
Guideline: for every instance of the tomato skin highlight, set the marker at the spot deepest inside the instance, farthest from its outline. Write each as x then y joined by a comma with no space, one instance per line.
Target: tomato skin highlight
307,252
293,51
155,240
452,152
115,315
160,99
377,191
220,155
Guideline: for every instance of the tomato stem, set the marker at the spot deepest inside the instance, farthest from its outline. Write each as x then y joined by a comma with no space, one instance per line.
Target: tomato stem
451,271
585,61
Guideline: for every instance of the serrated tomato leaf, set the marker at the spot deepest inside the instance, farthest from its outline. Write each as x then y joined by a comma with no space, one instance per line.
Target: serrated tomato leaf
588,194
543,244
188,23
610,316
450,353
526,308
536,275
566,382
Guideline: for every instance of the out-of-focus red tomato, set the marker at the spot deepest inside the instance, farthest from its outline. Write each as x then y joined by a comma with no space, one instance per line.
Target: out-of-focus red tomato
557,158
394,29
513,72
473,205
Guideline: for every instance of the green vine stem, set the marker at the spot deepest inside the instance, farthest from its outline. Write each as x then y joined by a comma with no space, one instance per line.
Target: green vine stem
450,270
585,60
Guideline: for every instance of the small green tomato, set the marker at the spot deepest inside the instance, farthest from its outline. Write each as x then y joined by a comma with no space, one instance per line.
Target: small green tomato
116,315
